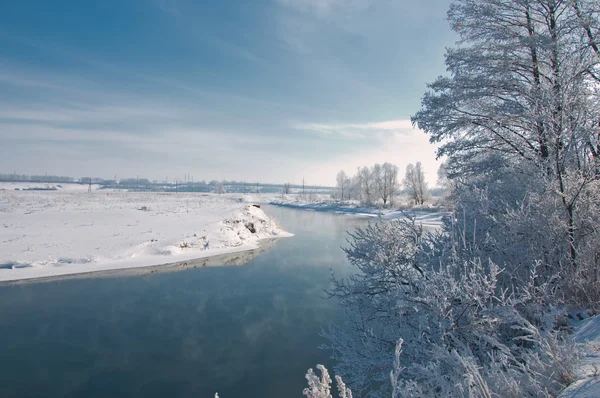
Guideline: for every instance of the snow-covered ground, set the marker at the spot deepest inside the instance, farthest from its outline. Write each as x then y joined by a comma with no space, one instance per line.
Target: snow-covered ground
52,233
588,373
43,186
427,217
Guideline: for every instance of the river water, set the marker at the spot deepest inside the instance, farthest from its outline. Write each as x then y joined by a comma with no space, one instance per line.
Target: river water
244,331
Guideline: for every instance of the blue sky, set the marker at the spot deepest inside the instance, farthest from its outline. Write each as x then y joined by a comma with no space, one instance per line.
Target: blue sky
261,90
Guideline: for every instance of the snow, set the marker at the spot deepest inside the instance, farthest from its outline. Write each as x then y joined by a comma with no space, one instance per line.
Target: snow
65,186
588,372
52,233
426,217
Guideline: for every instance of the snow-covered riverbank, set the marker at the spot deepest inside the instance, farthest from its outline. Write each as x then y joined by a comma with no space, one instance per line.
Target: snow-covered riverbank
426,217
50,233
587,375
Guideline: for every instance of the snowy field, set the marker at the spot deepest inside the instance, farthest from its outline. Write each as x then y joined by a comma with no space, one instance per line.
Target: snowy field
62,232
42,186
427,217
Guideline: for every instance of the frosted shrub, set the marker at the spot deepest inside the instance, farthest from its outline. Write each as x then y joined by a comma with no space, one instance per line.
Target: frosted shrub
462,333
520,221
320,387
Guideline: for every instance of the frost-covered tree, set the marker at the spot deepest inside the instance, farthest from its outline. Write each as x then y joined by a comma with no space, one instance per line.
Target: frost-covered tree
370,184
365,185
343,183
519,84
415,184
518,118
389,182
219,188
377,181
442,177
354,188
287,188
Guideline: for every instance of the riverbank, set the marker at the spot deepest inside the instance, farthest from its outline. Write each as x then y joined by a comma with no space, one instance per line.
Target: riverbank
587,376
426,216
219,260
54,233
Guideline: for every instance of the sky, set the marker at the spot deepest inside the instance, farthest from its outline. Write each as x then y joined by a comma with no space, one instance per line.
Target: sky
263,90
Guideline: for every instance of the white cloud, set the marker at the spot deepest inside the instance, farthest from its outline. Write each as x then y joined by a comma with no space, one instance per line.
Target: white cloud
317,7
358,130
326,8
169,6
87,114
390,125
310,26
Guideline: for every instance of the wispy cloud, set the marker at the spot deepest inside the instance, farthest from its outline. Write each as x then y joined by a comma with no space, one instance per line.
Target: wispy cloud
169,6
358,130
221,99
308,25
185,17
399,144
326,35
326,8
16,79
90,89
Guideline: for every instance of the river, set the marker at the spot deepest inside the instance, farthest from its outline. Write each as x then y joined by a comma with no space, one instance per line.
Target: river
242,331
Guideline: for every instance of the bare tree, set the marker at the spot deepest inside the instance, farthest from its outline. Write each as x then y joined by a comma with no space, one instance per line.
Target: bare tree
287,187
442,177
415,184
370,184
354,188
219,188
376,181
364,185
343,183
389,182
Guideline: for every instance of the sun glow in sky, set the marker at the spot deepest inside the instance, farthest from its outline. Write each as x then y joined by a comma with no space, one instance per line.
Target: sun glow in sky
265,90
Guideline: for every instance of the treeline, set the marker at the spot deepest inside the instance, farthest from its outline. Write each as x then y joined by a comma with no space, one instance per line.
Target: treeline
34,178
379,184
175,185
